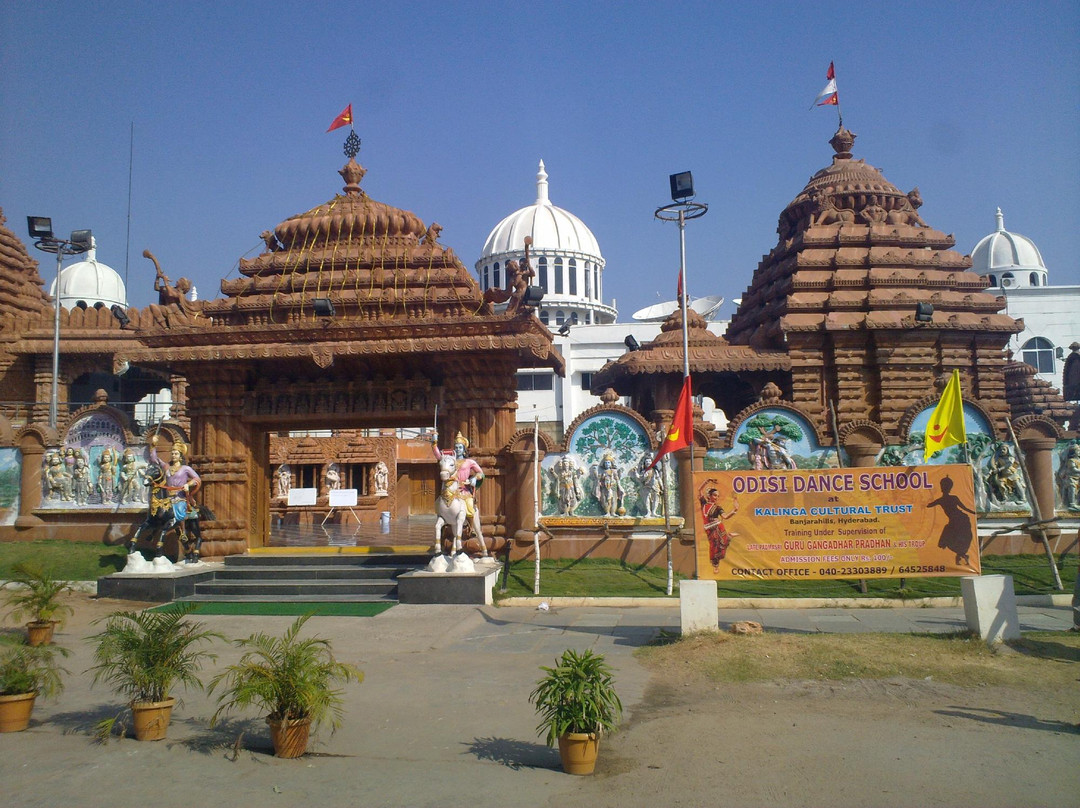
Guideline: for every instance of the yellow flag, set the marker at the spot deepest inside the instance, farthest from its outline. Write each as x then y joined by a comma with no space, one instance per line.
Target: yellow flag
946,425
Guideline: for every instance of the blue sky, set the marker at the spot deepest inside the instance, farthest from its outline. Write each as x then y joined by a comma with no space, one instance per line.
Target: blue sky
977,104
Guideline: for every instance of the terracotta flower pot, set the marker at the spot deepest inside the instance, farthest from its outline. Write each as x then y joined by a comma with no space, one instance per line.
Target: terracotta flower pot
578,750
151,718
290,740
40,632
15,711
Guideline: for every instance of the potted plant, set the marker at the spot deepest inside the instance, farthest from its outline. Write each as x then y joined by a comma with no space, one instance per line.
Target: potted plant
142,655
37,596
577,703
291,679
26,672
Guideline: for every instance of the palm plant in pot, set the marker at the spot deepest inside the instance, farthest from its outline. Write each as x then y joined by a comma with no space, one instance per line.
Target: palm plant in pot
36,594
577,703
143,655
26,672
292,679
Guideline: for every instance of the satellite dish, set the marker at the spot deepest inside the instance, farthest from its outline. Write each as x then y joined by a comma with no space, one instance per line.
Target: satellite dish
658,312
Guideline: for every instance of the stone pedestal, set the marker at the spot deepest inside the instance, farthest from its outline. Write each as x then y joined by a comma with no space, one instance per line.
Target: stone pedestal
697,606
448,587
990,607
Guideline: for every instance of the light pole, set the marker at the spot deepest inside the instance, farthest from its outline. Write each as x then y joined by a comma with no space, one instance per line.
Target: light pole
680,209
81,241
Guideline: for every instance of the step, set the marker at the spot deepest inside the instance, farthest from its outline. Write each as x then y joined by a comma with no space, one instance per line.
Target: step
313,590
312,572
412,560
289,599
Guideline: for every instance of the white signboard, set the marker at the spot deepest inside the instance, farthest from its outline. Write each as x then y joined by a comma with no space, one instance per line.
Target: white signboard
303,496
343,498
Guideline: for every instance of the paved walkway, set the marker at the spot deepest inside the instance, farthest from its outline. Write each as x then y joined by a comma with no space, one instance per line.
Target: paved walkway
442,718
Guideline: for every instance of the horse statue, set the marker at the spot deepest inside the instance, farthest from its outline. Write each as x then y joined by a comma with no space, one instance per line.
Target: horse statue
451,508
166,512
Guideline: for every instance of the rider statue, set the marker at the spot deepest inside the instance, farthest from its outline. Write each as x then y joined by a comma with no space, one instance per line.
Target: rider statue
180,483
469,476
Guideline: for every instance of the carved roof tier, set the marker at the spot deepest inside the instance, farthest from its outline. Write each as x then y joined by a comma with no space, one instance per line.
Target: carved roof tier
21,287
854,253
708,354
370,260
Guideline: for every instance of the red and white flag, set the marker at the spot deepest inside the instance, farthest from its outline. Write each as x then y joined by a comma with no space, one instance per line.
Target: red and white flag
829,96
681,432
344,119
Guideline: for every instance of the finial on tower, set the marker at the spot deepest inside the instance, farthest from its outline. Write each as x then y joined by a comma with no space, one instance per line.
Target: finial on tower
542,186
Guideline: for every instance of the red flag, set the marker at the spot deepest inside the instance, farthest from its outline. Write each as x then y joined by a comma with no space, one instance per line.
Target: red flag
344,119
828,96
681,432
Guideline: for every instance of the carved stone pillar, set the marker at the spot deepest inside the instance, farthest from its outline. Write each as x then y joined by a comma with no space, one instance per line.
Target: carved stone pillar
232,467
1038,452
520,495
30,481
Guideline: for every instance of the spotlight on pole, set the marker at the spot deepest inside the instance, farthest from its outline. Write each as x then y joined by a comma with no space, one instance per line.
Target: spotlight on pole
682,186
80,241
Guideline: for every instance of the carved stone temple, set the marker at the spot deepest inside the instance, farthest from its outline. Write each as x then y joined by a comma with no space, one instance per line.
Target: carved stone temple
323,365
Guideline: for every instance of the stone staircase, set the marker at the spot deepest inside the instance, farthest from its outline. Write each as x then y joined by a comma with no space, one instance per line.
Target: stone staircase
352,578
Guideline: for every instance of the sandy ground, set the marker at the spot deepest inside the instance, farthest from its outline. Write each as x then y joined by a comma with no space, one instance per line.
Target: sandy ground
443,720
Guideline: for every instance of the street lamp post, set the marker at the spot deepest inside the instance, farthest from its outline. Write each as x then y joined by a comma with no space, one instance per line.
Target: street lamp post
80,241
680,210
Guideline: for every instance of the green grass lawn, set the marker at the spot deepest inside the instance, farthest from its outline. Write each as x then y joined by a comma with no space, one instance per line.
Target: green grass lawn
601,577
68,560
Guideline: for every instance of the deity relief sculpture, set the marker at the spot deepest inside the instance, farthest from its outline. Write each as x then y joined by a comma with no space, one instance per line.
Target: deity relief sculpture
382,480
1003,477
651,486
1069,477
58,479
80,482
567,484
333,478
284,481
106,478
129,481
609,488
768,450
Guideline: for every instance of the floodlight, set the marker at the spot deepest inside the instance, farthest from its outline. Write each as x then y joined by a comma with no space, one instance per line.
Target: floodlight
631,343
40,227
924,312
323,306
532,297
682,186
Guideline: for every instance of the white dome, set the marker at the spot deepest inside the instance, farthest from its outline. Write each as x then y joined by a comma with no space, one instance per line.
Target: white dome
552,229
1011,260
89,283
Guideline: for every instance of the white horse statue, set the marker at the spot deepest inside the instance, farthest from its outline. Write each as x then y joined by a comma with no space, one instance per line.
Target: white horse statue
451,509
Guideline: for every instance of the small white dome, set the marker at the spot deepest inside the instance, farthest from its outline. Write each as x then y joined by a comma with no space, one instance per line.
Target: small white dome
552,228
1011,260
89,283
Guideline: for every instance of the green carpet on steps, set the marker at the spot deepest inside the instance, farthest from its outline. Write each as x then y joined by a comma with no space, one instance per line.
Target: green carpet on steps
288,609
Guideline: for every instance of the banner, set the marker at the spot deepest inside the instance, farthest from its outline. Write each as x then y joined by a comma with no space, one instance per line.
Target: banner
816,524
